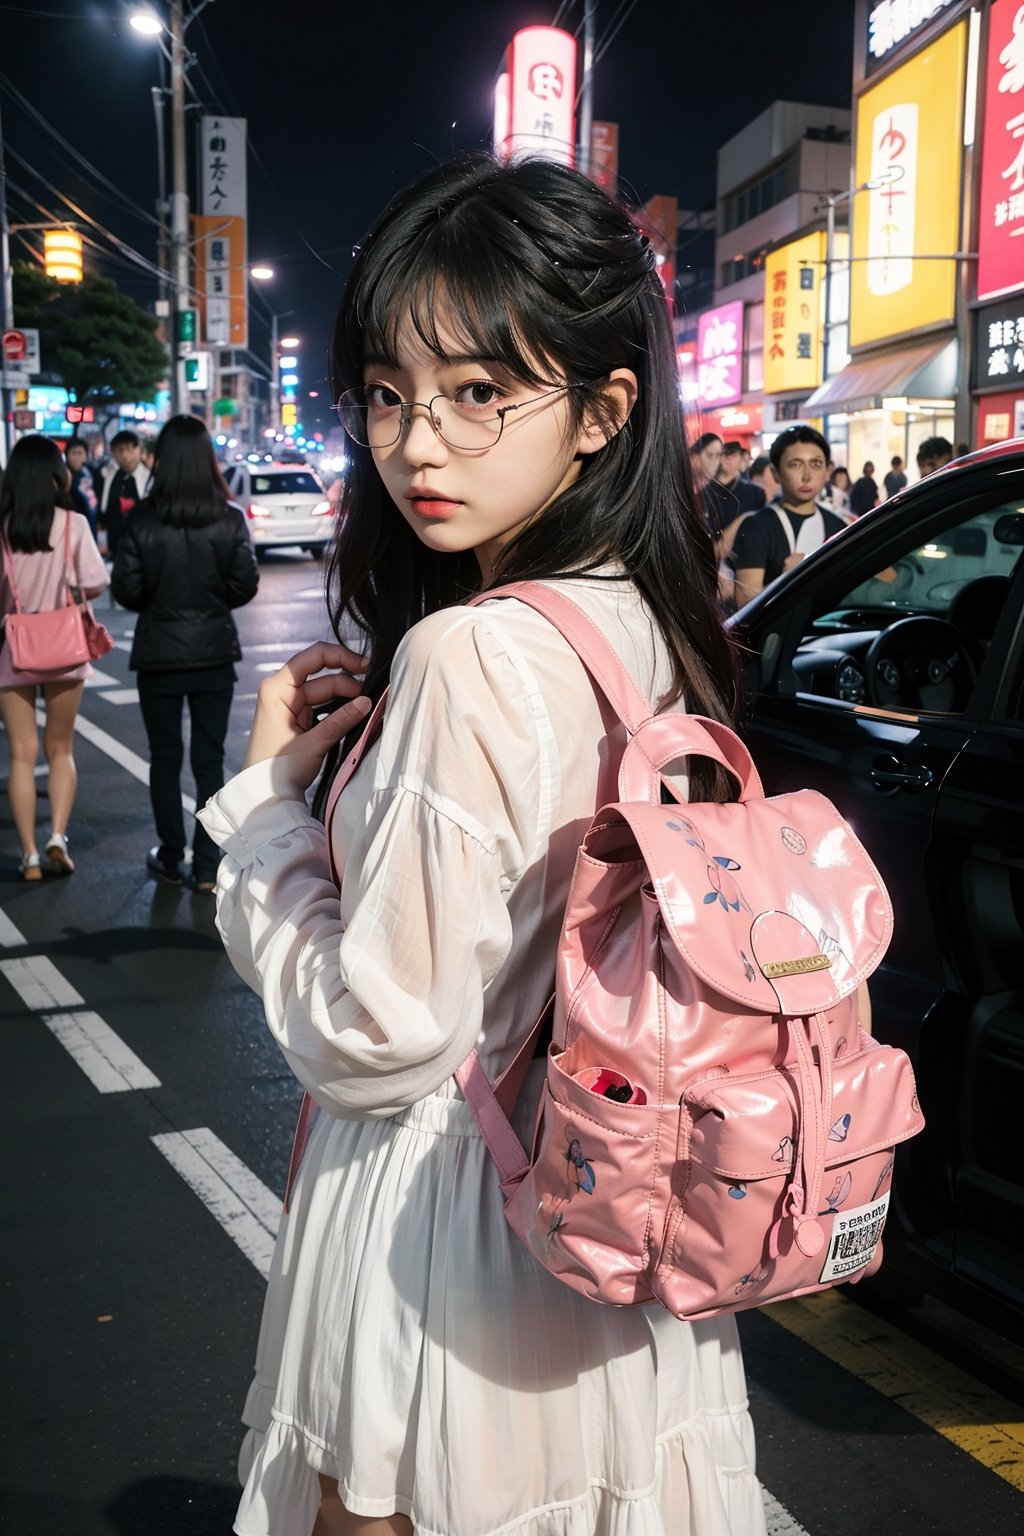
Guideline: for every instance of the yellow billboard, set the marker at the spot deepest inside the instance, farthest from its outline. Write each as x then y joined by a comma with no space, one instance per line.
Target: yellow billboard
909,148
794,278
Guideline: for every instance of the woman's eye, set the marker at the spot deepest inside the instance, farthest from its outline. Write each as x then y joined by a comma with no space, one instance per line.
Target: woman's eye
380,397
480,394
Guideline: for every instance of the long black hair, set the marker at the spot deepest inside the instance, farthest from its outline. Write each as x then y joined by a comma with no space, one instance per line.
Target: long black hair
533,266
188,489
35,481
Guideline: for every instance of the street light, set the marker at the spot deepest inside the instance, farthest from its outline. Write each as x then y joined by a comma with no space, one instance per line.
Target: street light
264,273
829,201
148,24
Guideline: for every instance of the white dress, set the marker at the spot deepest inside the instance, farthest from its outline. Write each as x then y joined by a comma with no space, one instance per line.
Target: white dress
411,1347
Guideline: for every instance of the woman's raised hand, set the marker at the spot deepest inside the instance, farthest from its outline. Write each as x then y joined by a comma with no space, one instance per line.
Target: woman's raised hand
287,703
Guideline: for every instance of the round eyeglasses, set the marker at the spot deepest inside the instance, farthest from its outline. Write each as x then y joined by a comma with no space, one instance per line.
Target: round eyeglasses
375,416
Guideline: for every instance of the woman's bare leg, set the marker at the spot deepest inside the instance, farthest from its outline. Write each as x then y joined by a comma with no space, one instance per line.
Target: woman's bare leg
62,701
335,1520
18,709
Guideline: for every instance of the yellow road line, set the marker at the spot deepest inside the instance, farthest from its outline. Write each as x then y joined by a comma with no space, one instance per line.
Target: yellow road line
982,1423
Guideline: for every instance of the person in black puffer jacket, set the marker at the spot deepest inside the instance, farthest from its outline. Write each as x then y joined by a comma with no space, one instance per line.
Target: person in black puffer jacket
184,560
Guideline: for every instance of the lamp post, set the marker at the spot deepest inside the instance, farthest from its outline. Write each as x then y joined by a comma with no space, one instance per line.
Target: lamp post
262,273
149,24
829,201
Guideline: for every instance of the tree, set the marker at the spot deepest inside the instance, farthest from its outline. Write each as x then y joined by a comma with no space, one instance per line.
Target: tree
93,339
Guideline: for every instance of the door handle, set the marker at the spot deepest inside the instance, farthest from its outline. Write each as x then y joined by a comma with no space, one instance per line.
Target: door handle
890,773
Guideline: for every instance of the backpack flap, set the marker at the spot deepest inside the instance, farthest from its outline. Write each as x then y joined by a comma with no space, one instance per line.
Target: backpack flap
774,903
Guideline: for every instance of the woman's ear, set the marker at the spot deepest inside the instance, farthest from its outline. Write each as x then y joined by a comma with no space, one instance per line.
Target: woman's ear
602,423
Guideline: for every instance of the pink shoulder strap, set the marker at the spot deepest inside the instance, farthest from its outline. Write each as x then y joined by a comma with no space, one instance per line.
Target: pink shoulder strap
68,569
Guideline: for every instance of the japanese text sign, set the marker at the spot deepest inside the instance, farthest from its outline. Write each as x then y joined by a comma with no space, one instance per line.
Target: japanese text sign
720,355
542,76
909,149
221,277
794,280
998,360
1001,208
892,22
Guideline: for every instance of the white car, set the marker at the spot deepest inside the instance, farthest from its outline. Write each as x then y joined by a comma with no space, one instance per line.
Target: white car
284,504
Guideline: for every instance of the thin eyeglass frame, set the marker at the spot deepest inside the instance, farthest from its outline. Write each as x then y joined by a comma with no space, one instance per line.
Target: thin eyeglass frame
406,407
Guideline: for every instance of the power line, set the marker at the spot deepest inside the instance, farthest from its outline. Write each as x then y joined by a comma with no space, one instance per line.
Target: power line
616,27
128,204
127,251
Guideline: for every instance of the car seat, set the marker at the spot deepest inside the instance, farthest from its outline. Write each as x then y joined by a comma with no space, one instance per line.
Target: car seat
974,612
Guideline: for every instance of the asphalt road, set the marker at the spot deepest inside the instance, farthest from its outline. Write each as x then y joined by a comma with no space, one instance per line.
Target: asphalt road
146,1120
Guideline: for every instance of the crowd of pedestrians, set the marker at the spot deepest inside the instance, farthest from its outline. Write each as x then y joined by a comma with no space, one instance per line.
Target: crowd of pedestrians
733,488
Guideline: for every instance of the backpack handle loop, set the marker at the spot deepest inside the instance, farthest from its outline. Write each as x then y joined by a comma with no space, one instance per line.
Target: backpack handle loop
667,738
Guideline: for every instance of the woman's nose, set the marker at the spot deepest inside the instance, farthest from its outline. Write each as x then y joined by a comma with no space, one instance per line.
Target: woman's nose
420,442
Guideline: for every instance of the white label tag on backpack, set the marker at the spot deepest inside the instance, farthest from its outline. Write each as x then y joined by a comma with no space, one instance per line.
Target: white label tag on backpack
855,1236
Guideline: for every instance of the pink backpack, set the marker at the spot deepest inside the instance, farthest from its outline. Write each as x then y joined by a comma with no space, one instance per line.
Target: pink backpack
715,1131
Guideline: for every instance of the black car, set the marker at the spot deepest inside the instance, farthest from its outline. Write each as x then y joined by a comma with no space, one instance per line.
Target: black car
887,671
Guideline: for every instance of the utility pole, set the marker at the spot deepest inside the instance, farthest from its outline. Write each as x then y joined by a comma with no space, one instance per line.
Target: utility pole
179,206
275,376
587,89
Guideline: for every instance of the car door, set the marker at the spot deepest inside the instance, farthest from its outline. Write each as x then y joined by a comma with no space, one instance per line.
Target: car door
884,762
976,864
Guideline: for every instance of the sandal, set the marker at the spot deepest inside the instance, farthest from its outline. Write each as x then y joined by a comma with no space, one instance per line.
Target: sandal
57,853
31,866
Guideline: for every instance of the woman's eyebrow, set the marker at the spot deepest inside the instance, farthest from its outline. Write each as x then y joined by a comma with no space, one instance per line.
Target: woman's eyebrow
447,360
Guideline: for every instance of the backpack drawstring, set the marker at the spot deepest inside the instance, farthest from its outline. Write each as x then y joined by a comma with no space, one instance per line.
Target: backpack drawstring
815,1113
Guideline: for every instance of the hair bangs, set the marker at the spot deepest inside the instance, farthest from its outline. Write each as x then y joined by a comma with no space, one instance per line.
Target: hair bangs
459,304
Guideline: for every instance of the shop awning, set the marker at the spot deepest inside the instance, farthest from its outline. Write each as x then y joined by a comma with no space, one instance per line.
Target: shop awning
923,372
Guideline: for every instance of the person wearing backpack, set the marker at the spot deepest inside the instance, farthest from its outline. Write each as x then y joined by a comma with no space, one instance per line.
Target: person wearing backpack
506,375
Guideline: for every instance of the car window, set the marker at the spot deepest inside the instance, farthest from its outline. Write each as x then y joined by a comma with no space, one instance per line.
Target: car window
930,577
914,635
289,483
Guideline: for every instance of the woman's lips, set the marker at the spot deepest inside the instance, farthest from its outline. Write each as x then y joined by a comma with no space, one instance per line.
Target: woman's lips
434,507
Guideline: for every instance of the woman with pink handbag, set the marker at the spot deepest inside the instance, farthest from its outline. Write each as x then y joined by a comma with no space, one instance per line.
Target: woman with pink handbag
49,559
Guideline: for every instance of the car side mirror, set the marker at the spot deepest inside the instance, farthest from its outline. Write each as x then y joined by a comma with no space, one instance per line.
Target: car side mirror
1009,529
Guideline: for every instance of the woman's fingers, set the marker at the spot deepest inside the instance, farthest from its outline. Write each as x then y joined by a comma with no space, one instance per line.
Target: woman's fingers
321,737
315,658
331,685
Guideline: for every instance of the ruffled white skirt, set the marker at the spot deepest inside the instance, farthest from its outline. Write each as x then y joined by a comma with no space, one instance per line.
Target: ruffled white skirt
412,1349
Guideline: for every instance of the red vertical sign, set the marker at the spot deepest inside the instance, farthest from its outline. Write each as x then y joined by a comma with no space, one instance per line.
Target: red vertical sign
1001,210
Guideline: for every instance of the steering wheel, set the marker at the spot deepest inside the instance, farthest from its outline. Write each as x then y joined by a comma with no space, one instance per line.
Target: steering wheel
919,663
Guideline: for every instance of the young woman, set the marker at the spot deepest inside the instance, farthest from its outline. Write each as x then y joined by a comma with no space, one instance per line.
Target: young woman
34,520
184,560
507,378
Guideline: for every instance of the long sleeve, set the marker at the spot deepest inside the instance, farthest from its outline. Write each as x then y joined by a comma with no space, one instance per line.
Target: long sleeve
128,578
243,572
375,999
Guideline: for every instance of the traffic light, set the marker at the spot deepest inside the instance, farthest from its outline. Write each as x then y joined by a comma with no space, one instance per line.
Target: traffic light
62,255
185,325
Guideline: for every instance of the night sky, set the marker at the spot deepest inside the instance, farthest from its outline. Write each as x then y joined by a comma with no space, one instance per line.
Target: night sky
346,103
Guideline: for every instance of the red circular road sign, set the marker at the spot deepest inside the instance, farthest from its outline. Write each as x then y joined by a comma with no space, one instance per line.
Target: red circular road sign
15,346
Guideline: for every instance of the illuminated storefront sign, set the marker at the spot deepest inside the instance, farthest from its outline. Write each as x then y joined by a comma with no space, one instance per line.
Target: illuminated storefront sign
720,355
892,22
909,147
542,86
1001,206
793,283
998,351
